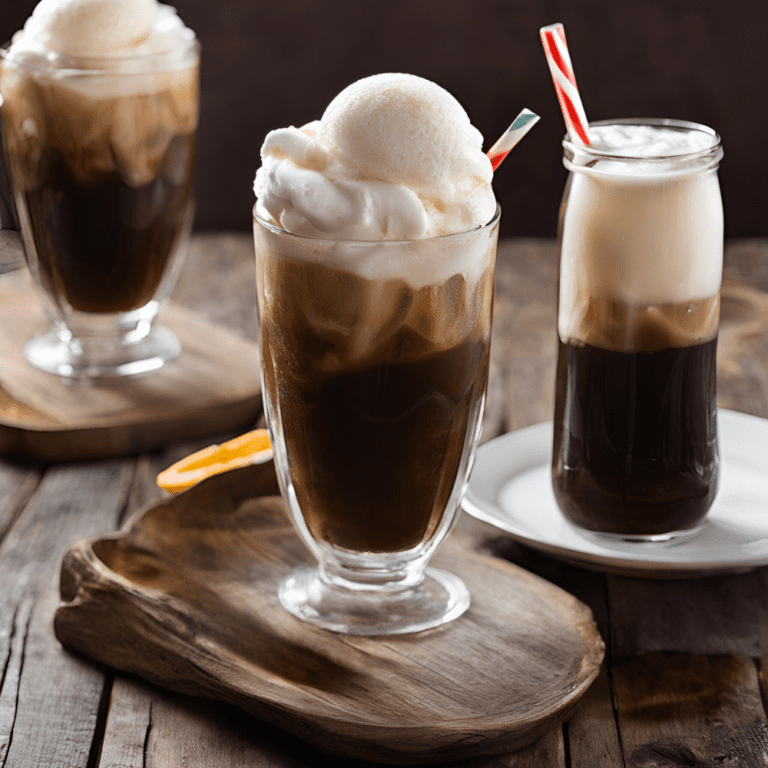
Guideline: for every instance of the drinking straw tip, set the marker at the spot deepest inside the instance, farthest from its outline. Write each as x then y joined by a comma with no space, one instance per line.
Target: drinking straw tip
559,60
520,126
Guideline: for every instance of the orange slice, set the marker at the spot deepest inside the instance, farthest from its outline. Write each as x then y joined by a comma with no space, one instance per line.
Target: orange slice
247,449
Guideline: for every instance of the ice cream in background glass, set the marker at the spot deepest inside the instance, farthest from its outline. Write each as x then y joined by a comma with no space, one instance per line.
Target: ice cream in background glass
99,111
635,430
375,232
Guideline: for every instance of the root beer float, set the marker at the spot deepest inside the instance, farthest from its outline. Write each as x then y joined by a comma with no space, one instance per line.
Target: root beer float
375,233
100,107
635,452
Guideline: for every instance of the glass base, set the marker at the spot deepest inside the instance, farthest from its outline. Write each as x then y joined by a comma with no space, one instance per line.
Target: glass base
668,539
102,357
441,597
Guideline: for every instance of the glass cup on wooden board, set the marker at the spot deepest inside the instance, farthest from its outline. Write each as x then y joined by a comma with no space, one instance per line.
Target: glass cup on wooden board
99,147
375,230
374,384
635,455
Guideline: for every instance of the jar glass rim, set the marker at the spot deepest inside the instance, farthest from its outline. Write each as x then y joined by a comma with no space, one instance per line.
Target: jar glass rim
683,125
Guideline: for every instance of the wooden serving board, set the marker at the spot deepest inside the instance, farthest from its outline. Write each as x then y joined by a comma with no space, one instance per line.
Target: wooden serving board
186,596
213,387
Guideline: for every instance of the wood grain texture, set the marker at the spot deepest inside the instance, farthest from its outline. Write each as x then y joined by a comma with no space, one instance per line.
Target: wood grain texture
524,341
43,509
212,387
49,699
548,751
593,733
186,597
17,483
689,710
219,281
11,250
742,354
716,615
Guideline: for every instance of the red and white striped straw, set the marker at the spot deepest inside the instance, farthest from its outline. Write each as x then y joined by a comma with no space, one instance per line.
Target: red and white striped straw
559,60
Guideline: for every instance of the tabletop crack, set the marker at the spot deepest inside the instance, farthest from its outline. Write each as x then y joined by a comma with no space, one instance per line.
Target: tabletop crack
12,671
145,750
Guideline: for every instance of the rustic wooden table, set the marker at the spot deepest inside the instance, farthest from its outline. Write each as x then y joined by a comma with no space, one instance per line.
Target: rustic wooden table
683,681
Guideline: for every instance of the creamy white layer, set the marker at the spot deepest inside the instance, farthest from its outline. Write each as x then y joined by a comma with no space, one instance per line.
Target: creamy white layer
111,29
417,263
647,141
393,158
640,232
107,83
81,44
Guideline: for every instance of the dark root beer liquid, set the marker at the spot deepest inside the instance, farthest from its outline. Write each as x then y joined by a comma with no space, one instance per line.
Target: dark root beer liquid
379,386
635,447
100,166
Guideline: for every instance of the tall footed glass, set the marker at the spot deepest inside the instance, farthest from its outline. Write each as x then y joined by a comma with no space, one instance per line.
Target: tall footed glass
99,154
375,363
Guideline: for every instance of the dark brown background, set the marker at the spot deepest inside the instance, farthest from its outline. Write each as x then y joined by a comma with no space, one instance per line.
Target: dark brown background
278,63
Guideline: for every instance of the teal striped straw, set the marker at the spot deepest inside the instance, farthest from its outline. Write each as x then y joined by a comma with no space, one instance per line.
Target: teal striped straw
520,126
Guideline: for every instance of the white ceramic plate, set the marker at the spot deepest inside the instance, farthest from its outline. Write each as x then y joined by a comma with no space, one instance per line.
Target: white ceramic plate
510,488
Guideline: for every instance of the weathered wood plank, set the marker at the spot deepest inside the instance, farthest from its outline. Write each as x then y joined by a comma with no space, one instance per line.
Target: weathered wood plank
523,344
17,483
686,710
592,732
548,751
11,249
716,615
742,351
194,733
49,698
153,728
747,261
219,280
128,725
58,697
641,618
593,735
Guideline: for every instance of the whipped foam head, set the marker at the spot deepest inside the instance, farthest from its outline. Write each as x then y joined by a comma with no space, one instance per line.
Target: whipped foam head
108,84
648,141
394,157
113,30
643,225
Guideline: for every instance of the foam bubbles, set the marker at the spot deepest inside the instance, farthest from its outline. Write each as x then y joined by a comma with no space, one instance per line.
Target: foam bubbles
639,233
117,112
393,158
648,141
405,130
102,29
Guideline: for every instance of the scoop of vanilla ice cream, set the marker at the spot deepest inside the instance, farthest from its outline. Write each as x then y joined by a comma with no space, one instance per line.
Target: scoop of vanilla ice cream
104,29
394,157
90,27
